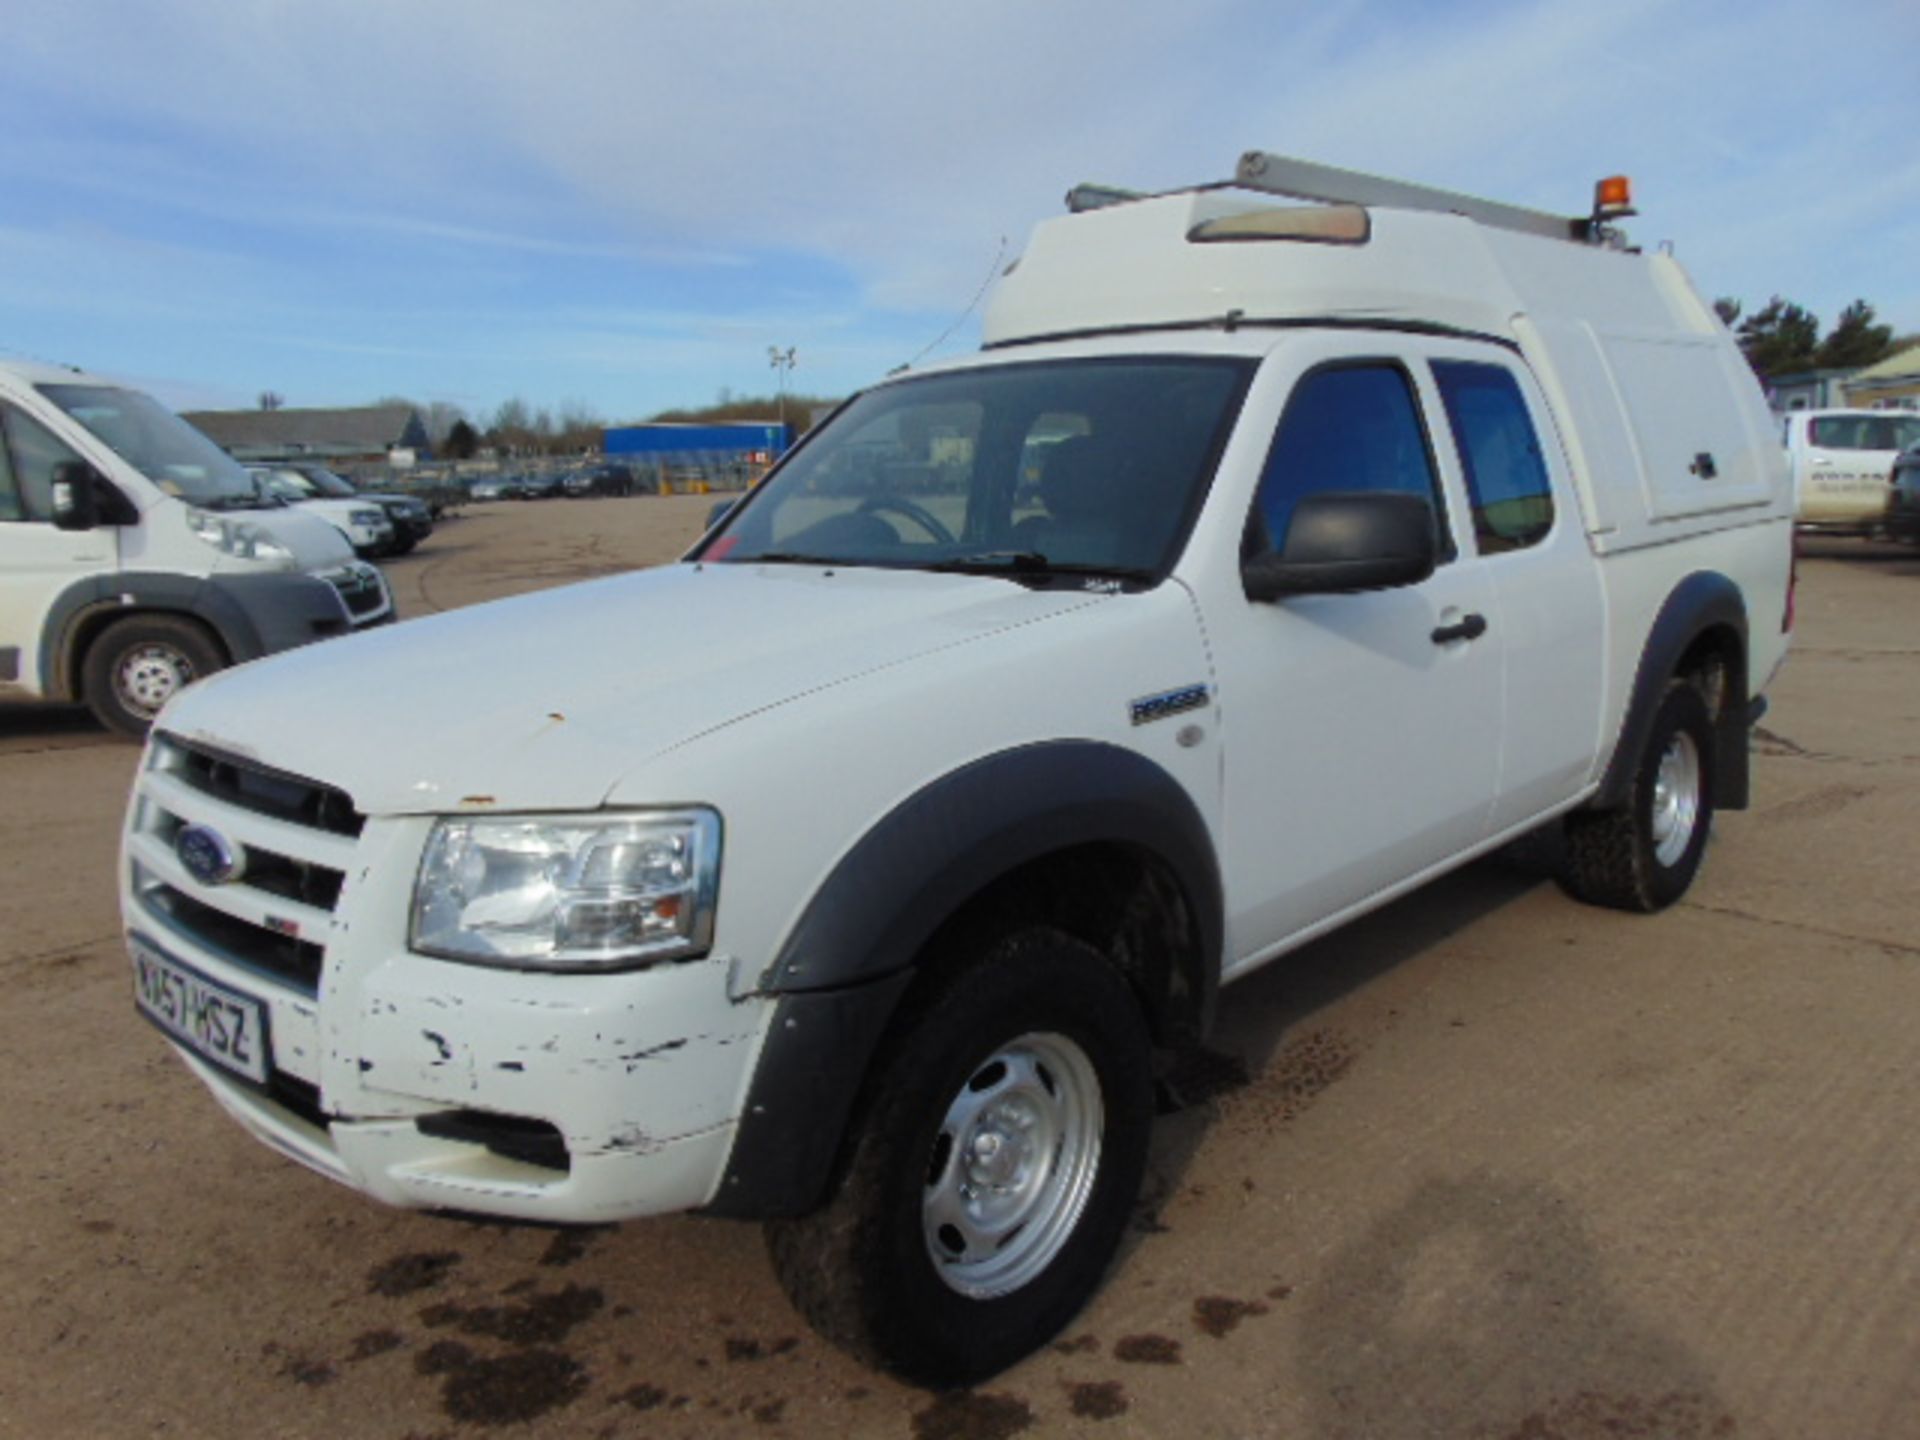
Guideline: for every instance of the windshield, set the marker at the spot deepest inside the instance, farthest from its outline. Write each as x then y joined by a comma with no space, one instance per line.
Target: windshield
308,482
325,482
157,443
1084,466
1866,432
284,484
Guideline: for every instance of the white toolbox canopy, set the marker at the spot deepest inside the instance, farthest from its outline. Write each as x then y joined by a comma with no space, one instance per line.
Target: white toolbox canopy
1657,393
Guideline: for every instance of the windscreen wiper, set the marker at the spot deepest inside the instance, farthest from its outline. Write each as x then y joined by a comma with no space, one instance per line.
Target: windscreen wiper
1033,562
785,557
235,502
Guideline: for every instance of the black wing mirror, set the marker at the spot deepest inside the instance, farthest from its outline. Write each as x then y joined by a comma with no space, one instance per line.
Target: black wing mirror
76,495
1347,540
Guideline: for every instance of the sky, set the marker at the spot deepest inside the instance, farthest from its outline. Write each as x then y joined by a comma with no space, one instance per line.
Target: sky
621,206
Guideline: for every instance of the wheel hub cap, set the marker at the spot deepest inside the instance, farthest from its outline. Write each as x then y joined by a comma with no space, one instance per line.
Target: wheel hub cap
150,677
1012,1165
1676,799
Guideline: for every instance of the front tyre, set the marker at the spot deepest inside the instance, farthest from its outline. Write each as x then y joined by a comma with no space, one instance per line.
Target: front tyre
1643,855
138,664
996,1158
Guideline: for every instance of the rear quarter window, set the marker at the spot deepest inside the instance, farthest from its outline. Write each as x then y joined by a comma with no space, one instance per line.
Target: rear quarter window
1499,454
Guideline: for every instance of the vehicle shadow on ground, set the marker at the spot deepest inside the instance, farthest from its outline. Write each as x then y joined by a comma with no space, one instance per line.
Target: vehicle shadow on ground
1479,1306
1881,555
67,726
1264,1040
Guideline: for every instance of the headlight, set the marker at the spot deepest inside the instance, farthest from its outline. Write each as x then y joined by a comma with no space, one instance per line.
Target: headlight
241,539
367,519
569,892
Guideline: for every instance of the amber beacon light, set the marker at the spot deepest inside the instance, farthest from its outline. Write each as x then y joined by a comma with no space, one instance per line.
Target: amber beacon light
1613,198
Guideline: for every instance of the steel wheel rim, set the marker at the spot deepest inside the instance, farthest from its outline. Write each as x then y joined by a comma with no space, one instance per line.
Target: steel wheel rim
1012,1165
1676,799
152,675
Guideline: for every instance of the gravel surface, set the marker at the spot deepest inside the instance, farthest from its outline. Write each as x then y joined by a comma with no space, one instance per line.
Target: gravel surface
1486,1164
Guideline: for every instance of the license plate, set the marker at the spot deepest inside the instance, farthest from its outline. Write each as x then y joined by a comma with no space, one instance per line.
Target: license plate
227,1027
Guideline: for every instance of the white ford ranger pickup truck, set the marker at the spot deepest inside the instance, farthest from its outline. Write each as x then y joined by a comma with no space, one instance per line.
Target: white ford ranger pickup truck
1272,557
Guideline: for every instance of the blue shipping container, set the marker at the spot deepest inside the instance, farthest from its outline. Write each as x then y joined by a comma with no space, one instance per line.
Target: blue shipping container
741,438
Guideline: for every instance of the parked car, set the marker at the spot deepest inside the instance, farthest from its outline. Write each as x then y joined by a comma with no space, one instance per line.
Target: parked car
1903,498
137,557
849,875
364,524
600,480
1840,461
543,487
499,487
409,515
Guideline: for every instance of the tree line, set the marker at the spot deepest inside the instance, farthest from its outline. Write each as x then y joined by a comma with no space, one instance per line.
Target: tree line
1782,338
516,428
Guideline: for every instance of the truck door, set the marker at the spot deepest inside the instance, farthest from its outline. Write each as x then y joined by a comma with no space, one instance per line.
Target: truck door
37,562
1546,584
1363,729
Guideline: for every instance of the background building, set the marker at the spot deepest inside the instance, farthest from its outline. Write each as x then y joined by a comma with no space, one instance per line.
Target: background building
365,434
1893,384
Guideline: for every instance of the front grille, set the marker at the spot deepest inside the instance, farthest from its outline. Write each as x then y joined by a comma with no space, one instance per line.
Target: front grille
360,589
290,879
255,787
284,957
292,838
361,598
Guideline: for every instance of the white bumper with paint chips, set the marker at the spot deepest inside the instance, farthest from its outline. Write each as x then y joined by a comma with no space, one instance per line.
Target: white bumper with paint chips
425,1083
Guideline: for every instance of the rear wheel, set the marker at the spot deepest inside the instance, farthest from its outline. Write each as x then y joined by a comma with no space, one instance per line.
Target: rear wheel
138,664
1643,855
997,1157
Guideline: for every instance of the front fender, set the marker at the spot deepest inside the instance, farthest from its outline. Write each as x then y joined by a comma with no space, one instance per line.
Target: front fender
842,970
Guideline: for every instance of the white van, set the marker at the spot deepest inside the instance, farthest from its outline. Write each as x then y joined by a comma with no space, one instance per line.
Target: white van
1842,463
851,874
136,556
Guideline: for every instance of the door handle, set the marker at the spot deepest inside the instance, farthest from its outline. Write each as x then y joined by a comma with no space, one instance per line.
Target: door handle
1469,627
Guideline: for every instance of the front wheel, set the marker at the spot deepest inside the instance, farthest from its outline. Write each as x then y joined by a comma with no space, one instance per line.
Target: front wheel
1643,855
138,664
996,1159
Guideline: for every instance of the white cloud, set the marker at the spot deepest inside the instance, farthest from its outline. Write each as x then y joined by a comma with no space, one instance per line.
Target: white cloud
839,175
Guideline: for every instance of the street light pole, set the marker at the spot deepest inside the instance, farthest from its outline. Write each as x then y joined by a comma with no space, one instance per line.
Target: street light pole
782,362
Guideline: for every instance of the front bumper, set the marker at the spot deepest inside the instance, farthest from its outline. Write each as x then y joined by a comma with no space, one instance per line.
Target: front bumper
260,615
427,1083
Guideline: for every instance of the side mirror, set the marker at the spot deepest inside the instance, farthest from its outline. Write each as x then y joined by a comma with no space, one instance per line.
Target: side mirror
1341,541
76,496
719,512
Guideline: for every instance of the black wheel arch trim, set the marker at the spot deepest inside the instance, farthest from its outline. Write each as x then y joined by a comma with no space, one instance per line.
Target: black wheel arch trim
844,966
1703,601
920,863
249,615
106,597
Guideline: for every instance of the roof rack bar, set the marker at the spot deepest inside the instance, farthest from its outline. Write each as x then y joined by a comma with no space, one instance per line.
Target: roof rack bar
1097,197
1305,180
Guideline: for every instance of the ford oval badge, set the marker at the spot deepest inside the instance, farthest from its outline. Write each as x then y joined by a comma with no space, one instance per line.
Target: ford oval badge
206,855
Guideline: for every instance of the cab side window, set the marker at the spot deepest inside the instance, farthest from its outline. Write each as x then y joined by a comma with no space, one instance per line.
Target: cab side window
10,505
31,452
1347,427
1499,454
